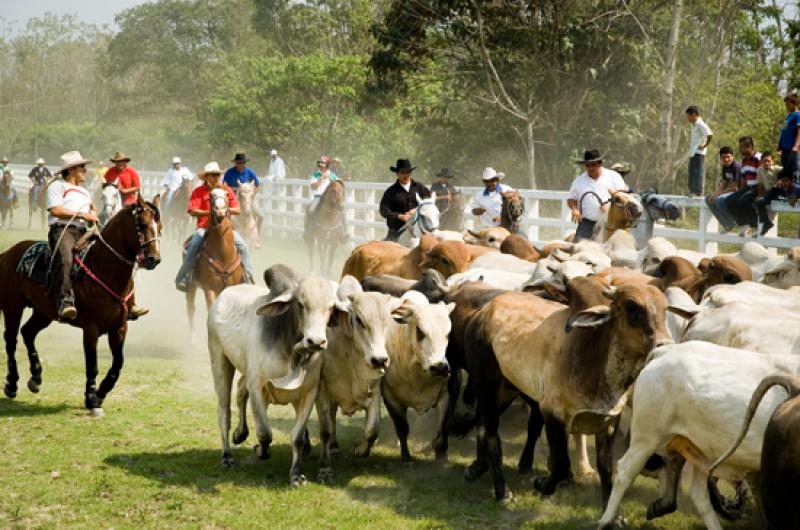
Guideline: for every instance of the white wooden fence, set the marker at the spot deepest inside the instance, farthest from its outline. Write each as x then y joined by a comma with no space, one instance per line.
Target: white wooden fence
547,215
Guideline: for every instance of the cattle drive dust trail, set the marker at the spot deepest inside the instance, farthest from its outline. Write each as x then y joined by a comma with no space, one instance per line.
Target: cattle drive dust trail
153,461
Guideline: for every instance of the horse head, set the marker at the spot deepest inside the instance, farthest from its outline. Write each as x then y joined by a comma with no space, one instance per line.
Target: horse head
512,210
625,209
219,205
133,233
427,216
246,193
112,202
335,193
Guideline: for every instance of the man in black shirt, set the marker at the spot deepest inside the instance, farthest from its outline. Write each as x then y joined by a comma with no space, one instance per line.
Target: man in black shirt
399,201
443,189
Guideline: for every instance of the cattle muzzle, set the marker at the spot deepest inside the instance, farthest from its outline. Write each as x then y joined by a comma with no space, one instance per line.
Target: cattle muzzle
379,363
440,369
315,343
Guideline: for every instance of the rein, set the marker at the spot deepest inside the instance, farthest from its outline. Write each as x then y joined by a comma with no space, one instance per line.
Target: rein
123,300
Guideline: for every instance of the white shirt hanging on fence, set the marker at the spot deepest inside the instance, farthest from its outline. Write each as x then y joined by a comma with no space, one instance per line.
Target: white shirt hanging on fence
492,202
595,191
175,177
69,196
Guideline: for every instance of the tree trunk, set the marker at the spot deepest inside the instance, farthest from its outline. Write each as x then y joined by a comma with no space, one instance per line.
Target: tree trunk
666,174
531,151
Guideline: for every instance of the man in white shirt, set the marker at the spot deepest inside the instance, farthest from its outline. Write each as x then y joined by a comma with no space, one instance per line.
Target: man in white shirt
488,203
700,138
590,193
174,179
277,169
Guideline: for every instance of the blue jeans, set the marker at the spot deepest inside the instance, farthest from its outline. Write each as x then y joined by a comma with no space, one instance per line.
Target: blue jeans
789,163
697,174
187,268
720,211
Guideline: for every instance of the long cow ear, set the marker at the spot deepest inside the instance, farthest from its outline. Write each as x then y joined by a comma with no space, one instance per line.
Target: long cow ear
590,318
400,309
277,306
684,310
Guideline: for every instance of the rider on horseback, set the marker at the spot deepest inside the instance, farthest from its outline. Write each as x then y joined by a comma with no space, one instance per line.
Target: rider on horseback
488,203
319,182
200,207
39,176
173,180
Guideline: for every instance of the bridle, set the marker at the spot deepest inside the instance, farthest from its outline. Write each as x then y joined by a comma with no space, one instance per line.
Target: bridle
514,220
141,232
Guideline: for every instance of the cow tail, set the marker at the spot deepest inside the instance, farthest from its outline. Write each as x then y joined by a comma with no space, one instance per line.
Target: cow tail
732,510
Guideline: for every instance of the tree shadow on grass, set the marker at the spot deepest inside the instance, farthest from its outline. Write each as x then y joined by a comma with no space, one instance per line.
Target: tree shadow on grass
13,408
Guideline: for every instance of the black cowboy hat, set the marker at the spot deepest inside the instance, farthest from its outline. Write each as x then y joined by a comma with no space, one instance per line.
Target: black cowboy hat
589,156
445,172
239,157
403,164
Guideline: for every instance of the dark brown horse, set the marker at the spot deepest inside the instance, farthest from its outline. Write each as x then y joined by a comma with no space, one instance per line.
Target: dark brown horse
326,227
102,297
512,212
176,223
219,265
8,200
452,218
37,200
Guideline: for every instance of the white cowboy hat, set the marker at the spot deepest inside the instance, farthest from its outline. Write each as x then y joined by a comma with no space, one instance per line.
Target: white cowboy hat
489,173
211,167
72,159
39,161
176,160
273,152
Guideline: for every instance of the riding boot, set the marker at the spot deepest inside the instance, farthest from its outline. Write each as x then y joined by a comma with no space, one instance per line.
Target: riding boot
134,311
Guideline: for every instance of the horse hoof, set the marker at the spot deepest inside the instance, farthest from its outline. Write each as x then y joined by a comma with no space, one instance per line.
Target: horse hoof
227,461
474,471
298,481
240,436
325,475
33,386
10,391
97,413
262,451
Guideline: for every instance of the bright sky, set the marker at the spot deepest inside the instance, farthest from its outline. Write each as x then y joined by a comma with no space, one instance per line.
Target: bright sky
17,12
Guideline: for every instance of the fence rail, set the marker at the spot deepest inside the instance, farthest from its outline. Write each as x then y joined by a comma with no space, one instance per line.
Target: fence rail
547,215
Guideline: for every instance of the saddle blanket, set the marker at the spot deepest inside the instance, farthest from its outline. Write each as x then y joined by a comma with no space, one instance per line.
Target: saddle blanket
35,261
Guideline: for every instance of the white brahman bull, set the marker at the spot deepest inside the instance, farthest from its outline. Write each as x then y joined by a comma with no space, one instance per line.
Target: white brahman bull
273,337
691,398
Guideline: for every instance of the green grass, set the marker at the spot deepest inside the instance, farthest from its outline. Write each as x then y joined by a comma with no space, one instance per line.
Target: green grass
153,461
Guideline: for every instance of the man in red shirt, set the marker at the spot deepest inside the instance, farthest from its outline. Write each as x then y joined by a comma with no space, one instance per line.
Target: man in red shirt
126,178
200,207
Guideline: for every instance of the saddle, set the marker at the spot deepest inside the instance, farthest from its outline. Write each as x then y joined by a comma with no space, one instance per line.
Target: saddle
35,262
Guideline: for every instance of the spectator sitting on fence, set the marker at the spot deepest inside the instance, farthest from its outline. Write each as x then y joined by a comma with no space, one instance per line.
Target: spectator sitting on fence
768,190
728,183
740,203
785,188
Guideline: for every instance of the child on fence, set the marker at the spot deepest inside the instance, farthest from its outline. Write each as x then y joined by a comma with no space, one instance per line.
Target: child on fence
728,183
786,189
740,203
768,190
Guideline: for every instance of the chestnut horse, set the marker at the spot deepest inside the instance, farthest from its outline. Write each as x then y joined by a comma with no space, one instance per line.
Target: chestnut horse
622,213
248,222
326,232
219,264
102,297
37,200
512,211
8,200
176,222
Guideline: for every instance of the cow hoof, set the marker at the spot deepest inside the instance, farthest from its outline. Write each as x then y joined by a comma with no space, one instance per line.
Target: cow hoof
33,386
619,522
659,509
334,448
525,469
262,451
362,450
10,392
298,481
228,461
239,436
441,455
545,485
325,475
585,471
507,498
97,412
474,471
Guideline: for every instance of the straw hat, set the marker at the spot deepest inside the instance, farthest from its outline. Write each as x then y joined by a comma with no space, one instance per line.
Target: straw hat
489,173
39,161
211,167
72,159
119,156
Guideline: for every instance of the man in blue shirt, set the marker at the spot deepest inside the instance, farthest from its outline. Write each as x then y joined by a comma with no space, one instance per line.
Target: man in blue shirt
240,173
789,141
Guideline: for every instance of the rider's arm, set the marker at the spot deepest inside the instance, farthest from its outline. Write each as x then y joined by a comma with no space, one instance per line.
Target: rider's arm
65,213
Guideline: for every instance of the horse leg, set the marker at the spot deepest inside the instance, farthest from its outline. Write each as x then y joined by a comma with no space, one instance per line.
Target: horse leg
32,327
329,265
12,320
211,296
116,341
190,300
31,200
91,401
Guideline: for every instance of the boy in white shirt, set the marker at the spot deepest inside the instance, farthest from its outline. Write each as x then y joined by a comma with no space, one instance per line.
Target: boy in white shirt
700,138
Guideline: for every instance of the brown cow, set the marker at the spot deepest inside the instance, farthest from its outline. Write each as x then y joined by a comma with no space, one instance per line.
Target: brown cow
387,257
451,257
491,236
578,366
674,270
518,246
715,271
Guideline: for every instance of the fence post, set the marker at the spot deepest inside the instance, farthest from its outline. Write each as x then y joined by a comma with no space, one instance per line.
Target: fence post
707,223
566,217
370,214
349,213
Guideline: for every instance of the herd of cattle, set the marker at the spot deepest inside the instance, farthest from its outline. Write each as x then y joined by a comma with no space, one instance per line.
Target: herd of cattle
656,349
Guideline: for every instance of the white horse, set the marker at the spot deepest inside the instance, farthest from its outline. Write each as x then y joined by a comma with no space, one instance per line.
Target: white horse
112,201
424,221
